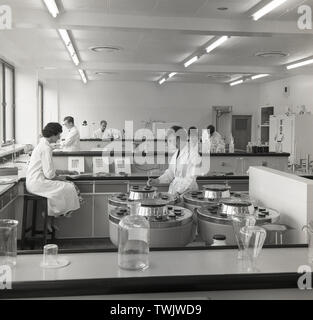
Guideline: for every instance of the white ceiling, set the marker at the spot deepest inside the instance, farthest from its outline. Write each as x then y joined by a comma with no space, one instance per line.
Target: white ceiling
155,37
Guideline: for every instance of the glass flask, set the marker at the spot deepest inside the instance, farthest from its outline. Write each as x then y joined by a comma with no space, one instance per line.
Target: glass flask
253,238
8,242
239,221
309,229
133,240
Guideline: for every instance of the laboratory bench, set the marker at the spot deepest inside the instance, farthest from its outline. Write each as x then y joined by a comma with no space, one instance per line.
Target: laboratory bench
91,220
142,162
202,273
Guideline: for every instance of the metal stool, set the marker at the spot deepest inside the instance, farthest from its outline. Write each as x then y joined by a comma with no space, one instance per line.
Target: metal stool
32,229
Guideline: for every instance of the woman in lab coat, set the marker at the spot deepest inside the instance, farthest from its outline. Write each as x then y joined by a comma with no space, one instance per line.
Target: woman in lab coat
42,179
183,166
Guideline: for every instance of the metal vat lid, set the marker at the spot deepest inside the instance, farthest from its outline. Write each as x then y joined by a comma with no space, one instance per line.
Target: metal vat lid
216,187
170,220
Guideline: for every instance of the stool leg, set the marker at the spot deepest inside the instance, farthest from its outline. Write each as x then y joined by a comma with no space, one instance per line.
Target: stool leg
34,220
53,230
34,223
24,223
45,223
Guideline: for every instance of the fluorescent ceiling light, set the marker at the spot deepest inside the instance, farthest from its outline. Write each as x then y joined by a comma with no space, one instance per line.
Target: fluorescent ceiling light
65,37
259,76
52,7
267,8
162,81
75,59
300,64
172,74
191,61
83,75
216,43
236,82
69,46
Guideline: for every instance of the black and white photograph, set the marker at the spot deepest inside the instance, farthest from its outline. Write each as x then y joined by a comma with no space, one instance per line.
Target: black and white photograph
156,155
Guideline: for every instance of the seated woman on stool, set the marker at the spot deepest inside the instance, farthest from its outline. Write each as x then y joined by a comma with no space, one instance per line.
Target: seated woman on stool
43,180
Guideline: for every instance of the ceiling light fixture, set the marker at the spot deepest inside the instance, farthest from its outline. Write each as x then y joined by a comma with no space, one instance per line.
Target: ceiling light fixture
172,74
69,45
52,7
162,81
267,8
191,61
300,64
105,49
83,75
216,43
271,54
235,83
259,76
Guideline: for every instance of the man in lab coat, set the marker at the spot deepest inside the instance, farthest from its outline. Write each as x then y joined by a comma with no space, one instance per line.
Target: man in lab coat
72,138
217,143
183,166
106,133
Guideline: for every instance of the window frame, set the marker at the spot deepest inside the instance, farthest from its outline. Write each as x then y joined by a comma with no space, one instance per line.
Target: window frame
5,65
41,104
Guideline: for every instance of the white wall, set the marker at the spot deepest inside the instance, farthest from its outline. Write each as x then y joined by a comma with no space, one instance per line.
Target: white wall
301,93
27,109
189,104
51,102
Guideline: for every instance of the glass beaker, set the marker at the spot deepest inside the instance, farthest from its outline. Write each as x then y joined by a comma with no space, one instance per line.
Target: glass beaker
8,242
239,221
50,255
133,240
253,238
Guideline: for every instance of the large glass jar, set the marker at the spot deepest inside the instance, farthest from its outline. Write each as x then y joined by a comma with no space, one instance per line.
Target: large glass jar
8,242
133,240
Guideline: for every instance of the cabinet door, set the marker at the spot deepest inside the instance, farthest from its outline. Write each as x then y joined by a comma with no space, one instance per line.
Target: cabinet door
101,216
79,225
287,129
273,133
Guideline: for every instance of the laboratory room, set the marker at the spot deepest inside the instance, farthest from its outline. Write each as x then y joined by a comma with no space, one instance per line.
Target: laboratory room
156,149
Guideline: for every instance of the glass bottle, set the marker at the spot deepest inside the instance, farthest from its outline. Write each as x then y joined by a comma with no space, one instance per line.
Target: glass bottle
133,240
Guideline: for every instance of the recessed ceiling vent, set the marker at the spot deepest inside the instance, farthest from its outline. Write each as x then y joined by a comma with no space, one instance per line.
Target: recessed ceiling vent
271,54
105,49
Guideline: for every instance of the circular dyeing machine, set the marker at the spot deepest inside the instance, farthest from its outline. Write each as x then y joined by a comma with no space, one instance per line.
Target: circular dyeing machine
217,218
170,225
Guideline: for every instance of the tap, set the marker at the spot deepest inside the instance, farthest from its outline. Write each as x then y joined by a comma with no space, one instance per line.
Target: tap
305,164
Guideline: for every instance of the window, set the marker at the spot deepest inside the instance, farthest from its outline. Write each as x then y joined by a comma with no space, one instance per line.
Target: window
40,103
7,102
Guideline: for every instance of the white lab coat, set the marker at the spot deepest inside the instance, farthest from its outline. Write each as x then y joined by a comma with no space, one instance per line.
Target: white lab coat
215,141
84,131
182,171
107,134
72,140
62,196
